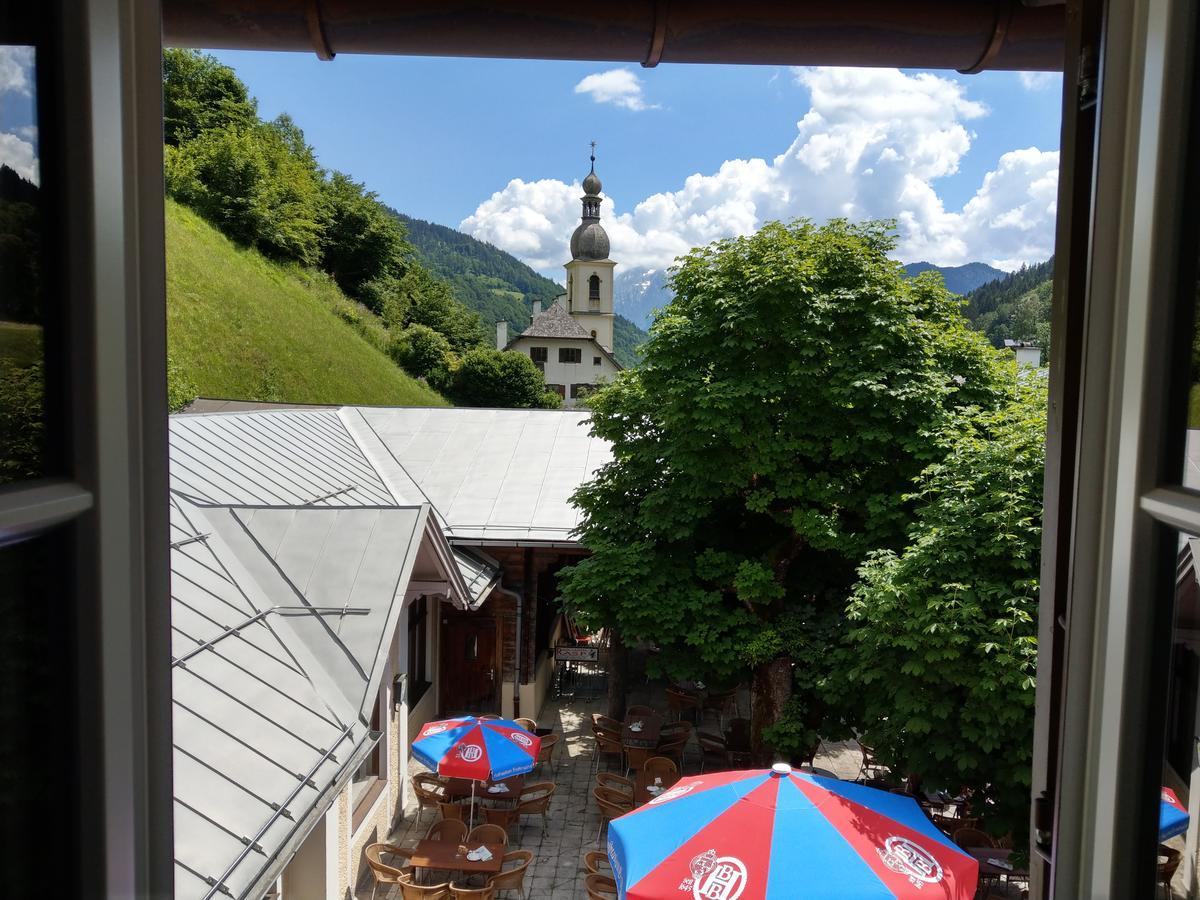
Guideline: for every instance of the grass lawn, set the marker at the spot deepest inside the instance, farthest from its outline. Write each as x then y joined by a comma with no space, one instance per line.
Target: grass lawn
20,343
240,326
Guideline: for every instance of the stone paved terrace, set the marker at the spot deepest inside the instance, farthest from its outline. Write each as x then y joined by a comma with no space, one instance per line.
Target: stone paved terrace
557,868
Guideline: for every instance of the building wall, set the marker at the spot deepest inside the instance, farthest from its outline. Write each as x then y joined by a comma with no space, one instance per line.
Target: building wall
584,372
304,877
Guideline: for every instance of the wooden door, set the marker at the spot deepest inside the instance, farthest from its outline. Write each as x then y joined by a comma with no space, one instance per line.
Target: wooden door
470,670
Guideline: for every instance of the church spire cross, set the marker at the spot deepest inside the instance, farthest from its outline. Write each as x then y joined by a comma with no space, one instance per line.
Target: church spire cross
593,157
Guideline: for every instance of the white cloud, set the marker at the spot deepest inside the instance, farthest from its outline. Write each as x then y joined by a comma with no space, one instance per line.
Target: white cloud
29,132
1040,81
872,145
618,86
19,156
16,68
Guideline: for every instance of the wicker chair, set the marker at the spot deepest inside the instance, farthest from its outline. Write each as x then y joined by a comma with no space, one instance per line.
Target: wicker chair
635,758
599,720
662,768
382,872
410,890
973,837
675,731
528,724
615,783
595,862
490,717
428,790
608,743
452,831
501,816
673,751
1168,861
535,800
683,702
721,702
487,892
613,805
489,834
639,710
512,879
546,753
600,887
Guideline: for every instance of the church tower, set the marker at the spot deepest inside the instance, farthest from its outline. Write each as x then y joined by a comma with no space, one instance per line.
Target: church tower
590,272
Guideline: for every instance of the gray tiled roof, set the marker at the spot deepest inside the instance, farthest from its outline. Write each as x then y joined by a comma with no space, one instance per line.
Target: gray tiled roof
555,322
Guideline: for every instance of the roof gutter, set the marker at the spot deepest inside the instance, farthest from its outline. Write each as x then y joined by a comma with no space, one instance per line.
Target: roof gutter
967,35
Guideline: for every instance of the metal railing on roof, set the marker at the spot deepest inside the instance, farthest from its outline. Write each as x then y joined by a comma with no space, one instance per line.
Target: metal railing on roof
259,616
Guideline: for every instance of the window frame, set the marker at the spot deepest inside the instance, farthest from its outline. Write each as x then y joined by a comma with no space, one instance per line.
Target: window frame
571,356
417,664
539,354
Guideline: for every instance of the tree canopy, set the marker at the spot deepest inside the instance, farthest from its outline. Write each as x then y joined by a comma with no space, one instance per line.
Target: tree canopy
201,94
495,378
788,396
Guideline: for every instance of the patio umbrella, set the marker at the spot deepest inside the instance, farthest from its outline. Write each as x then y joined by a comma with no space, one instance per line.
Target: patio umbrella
775,834
479,749
1172,817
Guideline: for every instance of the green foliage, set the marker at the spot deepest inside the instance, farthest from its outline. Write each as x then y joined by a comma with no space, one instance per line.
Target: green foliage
242,326
495,378
22,424
941,651
180,389
420,350
788,395
20,248
419,298
248,183
362,242
200,94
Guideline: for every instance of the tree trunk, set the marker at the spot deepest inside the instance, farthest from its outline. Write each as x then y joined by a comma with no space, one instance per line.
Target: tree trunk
618,675
770,692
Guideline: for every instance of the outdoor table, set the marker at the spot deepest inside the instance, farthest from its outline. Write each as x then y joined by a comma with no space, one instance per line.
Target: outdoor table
460,788
445,855
983,854
647,738
644,790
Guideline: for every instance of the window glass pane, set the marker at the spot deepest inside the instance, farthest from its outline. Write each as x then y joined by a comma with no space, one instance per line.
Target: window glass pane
26,272
38,709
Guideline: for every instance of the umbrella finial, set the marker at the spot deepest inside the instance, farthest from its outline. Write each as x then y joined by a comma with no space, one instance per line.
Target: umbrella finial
780,769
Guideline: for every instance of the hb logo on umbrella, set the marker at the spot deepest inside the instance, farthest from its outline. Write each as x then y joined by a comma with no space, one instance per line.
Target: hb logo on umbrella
470,752
717,877
911,860
523,739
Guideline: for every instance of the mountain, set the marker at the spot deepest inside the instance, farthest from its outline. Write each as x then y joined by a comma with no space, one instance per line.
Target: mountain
242,326
496,284
638,292
959,279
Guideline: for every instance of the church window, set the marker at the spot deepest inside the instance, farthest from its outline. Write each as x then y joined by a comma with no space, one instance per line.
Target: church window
594,287
539,354
570,355
595,360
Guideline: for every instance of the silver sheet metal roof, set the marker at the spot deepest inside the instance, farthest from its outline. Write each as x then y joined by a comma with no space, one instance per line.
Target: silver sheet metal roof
500,476
280,619
480,572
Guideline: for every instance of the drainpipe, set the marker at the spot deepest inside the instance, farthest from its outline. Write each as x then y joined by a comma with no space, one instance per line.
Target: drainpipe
519,595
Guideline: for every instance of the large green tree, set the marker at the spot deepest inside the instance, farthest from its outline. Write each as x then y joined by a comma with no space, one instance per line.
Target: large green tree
201,94
787,397
941,649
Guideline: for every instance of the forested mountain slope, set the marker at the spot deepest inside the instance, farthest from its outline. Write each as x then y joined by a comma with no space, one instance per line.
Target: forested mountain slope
1016,307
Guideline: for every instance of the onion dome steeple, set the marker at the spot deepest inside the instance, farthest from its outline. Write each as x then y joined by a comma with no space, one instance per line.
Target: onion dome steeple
590,240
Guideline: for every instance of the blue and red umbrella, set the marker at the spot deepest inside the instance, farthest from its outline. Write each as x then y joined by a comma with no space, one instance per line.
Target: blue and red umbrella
1173,819
479,749
775,834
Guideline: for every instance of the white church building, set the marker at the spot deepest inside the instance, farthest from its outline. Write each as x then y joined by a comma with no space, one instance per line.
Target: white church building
572,341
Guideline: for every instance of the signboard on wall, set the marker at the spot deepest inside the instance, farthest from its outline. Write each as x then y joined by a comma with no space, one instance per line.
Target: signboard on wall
577,654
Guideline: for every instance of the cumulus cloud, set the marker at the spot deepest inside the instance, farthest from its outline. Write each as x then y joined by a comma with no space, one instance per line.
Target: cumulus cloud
617,86
19,156
16,68
872,145
1040,81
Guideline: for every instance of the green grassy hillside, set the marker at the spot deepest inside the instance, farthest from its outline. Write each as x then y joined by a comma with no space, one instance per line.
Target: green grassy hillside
240,326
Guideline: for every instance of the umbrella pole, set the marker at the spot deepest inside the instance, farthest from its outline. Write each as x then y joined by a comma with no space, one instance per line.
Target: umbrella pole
471,814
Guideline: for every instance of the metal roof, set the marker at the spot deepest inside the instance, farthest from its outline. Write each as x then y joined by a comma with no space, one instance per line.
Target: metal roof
280,619
480,572
494,475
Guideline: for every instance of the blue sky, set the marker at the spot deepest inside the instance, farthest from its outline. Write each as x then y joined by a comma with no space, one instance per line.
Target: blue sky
498,147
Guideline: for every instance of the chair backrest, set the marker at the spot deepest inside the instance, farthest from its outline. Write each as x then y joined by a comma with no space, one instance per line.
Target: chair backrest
412,891
973,837
503,816
661,768
548,742
428,788
612,803
384,874
527,724
596,862
488,717
536,797
710,742
674,731
451,831
637,756
487,892
599,720
600,887
615,783
639,711
608,741
512,878
1169,860
489,834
